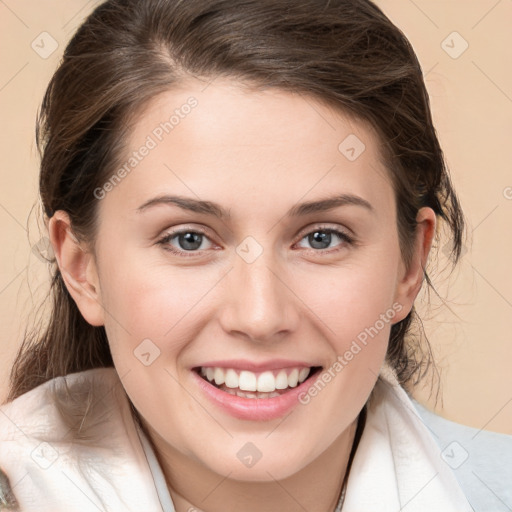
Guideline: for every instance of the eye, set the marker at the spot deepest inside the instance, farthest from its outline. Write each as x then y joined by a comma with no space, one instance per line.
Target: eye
181,242
188,242
323,238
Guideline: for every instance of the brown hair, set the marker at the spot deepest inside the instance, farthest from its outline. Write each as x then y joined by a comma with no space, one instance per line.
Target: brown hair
345,53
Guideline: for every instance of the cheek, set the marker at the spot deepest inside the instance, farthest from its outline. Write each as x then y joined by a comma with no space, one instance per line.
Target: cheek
159,302
351,299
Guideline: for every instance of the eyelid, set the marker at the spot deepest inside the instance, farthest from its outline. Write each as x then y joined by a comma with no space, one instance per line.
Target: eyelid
326,227
172,231
164,240
345,234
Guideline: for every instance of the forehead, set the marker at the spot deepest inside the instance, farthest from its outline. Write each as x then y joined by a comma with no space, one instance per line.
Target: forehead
223,140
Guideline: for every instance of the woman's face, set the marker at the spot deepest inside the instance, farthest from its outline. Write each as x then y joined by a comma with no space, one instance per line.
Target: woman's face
255,233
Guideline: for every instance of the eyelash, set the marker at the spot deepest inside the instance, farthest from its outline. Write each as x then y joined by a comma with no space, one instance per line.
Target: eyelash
343,236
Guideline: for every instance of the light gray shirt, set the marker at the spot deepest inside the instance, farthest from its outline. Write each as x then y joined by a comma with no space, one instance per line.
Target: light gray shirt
481,460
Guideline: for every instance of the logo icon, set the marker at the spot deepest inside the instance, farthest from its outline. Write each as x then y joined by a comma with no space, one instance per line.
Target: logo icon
249,455
44,45
146,352
249,249
351,147
44,455
454,45
454,455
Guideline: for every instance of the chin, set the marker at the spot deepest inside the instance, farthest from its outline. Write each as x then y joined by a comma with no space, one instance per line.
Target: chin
259,460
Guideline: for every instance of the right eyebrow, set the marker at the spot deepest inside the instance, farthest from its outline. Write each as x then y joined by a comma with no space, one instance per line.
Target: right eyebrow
300,210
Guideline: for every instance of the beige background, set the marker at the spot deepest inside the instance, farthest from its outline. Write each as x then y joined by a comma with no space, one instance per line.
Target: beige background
471,96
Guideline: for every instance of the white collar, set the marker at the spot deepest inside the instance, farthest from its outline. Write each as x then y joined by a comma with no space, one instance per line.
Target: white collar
398,464
54,467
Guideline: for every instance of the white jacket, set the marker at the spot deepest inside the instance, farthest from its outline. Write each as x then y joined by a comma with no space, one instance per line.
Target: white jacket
104,462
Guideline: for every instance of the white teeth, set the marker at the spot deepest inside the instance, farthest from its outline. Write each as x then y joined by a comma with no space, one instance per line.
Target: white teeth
247,381
243,394
231,379
281,380
264,382
303,374
293,378
218,376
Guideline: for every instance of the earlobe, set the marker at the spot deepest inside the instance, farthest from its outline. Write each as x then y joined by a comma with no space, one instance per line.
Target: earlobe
77,267
411,278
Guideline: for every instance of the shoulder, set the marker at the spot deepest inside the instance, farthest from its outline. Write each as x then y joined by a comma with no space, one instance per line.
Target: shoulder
55,406
480,459
71,442
398,459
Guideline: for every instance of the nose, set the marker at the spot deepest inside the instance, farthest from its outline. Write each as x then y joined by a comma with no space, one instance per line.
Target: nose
259,304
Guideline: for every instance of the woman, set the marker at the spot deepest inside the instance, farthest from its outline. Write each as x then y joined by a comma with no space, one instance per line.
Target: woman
241,198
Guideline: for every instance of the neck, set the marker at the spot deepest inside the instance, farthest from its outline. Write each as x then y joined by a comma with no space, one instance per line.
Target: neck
317,486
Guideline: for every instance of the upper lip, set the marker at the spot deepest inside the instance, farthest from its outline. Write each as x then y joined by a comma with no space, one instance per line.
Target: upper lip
252,366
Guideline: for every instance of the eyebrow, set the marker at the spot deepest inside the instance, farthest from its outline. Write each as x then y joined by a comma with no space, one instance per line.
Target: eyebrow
214,209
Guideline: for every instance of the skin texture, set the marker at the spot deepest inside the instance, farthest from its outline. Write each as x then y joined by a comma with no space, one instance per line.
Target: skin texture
257,154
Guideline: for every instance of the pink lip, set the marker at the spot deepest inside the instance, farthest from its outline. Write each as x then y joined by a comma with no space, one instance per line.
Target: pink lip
242,364
253,409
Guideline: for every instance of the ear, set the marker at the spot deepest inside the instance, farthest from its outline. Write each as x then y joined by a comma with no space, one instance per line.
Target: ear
411,277
77,267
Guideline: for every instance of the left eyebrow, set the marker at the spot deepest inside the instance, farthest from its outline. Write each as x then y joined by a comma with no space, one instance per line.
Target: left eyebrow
329,204
299,210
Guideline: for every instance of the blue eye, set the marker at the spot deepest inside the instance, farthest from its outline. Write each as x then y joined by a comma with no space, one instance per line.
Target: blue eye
188,241
322,238
191,243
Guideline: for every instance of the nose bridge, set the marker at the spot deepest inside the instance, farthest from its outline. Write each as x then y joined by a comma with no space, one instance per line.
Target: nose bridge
259,304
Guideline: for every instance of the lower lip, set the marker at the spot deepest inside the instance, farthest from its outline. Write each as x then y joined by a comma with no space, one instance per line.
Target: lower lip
253,409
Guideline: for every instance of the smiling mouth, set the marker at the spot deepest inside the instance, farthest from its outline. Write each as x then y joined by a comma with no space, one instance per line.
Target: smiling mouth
247,384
